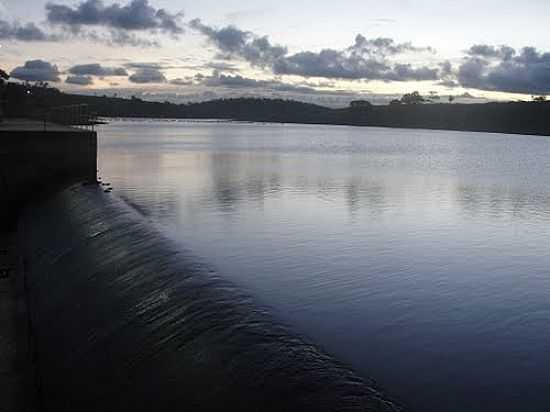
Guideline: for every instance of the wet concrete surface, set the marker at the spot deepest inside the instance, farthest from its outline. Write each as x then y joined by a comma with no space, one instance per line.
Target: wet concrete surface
10,373
124,319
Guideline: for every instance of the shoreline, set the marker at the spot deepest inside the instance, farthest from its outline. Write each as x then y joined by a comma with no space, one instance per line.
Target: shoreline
273,122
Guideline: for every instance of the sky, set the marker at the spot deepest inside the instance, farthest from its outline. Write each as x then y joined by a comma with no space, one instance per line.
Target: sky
325,52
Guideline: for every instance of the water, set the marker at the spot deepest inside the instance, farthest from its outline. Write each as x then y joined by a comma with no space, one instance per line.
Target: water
418,257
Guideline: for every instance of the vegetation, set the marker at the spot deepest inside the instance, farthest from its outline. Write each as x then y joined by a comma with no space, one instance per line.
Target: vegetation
412,98
411,111
4,77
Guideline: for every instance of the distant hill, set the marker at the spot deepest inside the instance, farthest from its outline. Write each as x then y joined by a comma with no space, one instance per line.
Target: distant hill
513,117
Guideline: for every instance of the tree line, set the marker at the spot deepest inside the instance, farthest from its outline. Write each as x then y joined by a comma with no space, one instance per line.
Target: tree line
24,100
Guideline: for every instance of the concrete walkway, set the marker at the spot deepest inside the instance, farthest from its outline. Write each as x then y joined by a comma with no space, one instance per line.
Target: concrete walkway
10,373
28,125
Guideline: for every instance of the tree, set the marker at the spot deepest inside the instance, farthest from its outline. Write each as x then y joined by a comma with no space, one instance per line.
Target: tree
451,99
433,96
4,77
539,99
358,104
412,98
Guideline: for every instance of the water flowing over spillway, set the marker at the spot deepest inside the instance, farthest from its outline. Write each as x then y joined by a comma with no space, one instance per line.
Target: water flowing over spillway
123,319
418,257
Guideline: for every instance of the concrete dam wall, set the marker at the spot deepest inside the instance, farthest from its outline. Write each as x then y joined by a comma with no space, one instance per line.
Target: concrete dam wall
123,319
35,157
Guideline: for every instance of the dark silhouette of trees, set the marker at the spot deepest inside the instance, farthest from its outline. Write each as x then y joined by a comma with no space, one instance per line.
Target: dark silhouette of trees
539,99
412,98
512,117
4,77
433,97
360,104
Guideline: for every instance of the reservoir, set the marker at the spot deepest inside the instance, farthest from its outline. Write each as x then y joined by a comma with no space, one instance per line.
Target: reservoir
420,258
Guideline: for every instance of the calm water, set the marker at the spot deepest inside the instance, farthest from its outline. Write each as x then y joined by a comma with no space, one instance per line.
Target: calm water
419,257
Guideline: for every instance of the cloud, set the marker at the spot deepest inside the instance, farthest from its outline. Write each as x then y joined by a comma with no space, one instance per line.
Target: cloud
384,46
80,80
450,84
36,70
30,32
239,86
233,42
337,64
144,65
504,69
116,38
181,82
137,15
222,66
167,64
486,51
366,59
147,75
239,82
27,32
96,69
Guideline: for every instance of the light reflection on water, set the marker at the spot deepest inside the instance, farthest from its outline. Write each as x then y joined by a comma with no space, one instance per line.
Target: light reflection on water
420,257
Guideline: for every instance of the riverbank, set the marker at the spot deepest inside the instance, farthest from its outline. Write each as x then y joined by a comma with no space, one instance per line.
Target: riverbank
507,117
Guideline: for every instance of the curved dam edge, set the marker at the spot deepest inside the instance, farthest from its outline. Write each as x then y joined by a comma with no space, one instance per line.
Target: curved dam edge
123,319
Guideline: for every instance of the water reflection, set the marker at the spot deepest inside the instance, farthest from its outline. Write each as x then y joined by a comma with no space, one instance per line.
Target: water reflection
417,256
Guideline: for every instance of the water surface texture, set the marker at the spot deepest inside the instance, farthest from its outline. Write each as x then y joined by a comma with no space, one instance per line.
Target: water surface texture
418,257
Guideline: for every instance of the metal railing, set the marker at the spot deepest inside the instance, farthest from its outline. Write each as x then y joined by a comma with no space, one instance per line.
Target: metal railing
75,115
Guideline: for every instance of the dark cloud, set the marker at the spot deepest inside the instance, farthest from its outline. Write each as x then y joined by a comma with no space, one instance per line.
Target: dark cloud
222,66
506,70
471,72
238,84
96,69
147,75
80,80
233,42
27,32
30,32
182,82
446,68
450,84
447,75
383,46
35,71
366,59
116,38
486,51
337,64
144,65
136,15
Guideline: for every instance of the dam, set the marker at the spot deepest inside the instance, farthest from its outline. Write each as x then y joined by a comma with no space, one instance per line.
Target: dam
103,312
